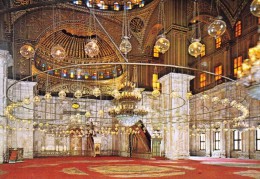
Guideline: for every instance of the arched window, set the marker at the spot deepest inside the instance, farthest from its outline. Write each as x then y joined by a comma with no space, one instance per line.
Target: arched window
155,52
203,50
116,6
218,42
202,80
237,65
219,72
128,5
78,2
141,3
238,29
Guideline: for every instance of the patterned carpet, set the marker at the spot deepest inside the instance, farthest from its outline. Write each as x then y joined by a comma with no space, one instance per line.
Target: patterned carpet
119,167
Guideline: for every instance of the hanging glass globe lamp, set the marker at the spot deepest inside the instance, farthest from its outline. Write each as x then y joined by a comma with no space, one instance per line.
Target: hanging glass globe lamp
27,51
125,46
162,44
101,113
195,48
62,94
47,96
156,93
96,92
58,52
26,101
87,114
36,99
255,8
217,28
78,94
91,48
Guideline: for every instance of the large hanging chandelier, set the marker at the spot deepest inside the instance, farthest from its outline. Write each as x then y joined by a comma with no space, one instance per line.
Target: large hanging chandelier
250,74
126,109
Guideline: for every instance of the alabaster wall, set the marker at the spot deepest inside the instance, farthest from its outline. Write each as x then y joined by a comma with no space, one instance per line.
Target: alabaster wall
20,133
175,143
5,61
217,114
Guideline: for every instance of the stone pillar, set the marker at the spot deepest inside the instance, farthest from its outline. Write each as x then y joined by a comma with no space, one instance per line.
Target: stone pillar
177,143
5,61
23,136
176,32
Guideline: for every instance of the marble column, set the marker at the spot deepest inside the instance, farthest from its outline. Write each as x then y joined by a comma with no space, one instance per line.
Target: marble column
23,136
177,143
5,61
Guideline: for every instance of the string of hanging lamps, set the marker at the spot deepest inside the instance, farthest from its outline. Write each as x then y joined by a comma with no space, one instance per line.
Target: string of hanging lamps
125,45
57,51
218,26
27,50
162,44
195,47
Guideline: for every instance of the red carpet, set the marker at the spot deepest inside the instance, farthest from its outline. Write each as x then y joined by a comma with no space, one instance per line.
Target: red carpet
119,167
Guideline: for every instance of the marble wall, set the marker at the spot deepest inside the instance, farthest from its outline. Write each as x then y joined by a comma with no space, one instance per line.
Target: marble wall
209,117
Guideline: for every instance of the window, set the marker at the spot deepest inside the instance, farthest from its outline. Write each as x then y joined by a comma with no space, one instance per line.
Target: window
128,5
218,42
155,52
218,72
238,29
237,65
257,142
77,2
202,141
116,6
237,143
217,140
202,80
203,50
